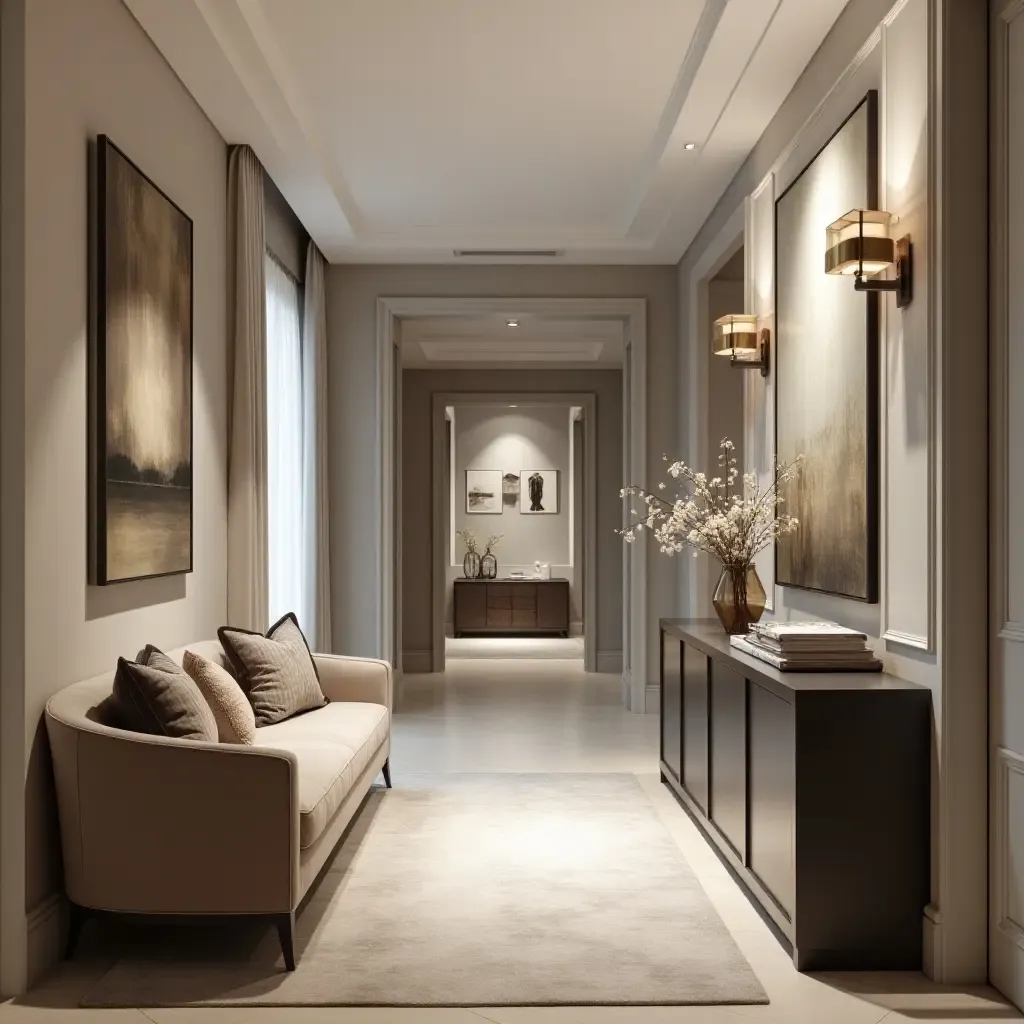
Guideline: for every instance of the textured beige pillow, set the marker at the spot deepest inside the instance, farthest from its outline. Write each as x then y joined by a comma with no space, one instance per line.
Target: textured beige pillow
236,722
276,671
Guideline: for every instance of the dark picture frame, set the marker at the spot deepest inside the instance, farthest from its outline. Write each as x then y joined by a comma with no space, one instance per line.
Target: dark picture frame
829,559
141,369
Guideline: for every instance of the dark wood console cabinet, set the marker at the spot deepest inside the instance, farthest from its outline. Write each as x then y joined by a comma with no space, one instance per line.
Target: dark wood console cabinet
814,788
511,606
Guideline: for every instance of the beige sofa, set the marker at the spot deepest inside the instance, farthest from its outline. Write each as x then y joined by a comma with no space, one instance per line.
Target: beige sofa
154,825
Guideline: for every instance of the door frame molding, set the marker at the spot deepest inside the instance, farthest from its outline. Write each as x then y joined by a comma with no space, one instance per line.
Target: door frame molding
632,314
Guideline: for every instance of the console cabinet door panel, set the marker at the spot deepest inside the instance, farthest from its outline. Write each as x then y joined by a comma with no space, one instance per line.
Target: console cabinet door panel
470,606
729,755
671,703
695,725
553,606
772,794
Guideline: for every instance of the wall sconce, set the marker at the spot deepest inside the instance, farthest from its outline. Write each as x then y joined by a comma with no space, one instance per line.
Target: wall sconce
860,245
737,338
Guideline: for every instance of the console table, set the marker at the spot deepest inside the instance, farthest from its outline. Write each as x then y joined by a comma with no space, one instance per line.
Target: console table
511,606
813,787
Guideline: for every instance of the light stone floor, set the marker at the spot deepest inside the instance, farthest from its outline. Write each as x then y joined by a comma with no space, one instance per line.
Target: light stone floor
551,717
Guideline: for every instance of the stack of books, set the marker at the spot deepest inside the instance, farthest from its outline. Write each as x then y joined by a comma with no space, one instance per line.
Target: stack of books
808,647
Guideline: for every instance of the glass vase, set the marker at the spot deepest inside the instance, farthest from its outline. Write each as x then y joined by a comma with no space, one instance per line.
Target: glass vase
739,598
471,565
488,566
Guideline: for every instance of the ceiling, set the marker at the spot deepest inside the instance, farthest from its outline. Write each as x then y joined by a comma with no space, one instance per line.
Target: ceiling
405,130
535,342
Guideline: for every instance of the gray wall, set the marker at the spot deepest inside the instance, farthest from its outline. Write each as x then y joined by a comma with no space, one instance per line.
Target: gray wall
418,534
352,293
512,440
70,71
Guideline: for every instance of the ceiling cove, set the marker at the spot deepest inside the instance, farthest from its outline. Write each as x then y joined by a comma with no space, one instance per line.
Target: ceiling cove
576,131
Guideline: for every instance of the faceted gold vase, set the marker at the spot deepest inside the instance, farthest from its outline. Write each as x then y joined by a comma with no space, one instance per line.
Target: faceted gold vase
739,598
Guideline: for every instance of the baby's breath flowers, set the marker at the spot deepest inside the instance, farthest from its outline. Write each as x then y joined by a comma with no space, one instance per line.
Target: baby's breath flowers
728,519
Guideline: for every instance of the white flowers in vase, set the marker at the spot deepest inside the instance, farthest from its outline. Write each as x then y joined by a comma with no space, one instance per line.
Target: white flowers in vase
469,539
727,518
492,542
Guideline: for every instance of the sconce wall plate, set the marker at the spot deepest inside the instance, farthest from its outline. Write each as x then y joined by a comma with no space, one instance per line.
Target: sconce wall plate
903,283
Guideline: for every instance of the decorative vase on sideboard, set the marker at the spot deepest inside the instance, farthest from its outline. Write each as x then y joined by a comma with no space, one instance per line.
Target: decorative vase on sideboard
471,565
488,566
739,598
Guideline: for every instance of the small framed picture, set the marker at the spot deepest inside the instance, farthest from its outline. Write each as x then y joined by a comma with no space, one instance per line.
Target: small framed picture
510,489
539,492
483,491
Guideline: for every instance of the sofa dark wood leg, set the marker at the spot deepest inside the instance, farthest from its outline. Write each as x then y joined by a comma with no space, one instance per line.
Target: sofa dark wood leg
387,773
76,919
286,933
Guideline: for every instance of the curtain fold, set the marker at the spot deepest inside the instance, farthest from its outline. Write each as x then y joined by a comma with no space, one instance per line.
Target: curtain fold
247,404
316,532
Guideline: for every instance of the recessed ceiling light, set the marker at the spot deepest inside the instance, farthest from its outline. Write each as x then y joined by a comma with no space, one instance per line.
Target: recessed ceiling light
513,406
511,323
690,145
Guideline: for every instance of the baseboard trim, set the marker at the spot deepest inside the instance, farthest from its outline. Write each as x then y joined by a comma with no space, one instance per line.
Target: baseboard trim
652,699
417,661
44,926
609,661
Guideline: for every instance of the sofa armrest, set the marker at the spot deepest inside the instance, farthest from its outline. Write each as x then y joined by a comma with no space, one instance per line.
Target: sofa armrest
157,825
357,679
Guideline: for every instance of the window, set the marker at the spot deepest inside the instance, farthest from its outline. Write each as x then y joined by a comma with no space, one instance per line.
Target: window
284,444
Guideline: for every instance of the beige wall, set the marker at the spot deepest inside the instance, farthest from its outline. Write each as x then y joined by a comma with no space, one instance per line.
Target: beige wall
418,534
89,69
352,293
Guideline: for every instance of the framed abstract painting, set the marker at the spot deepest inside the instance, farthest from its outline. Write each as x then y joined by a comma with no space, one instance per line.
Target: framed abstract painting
141,376
826,372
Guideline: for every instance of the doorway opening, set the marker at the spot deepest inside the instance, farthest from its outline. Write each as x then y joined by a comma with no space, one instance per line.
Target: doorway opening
517,524
578,361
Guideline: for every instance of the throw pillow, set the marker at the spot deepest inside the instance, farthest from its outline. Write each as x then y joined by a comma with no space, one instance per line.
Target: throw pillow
155,695
236,722
276,671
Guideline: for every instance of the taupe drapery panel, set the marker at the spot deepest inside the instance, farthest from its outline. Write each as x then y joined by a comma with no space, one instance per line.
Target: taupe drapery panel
316,546
247,390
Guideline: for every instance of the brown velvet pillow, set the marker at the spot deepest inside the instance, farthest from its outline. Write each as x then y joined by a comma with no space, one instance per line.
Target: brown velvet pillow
276,671
154,695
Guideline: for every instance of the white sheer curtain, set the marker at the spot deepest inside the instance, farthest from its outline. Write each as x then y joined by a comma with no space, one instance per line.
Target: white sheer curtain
287,571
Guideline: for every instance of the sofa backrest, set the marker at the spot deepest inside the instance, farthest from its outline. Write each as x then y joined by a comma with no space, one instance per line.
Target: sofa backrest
77,704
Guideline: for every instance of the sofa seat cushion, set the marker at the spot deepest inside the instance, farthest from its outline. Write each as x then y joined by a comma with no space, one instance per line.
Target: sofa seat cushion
332,746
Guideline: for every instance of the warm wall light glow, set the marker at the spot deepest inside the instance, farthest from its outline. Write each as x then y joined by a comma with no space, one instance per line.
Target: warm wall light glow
858,244
735,335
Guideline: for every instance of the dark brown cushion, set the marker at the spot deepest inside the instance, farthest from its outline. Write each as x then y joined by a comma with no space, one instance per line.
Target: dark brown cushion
154,695
276,671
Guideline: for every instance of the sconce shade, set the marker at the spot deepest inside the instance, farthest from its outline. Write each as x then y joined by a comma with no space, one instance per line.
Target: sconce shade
858,244
736,337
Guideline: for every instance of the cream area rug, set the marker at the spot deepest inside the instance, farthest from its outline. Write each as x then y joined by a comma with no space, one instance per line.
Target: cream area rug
471,890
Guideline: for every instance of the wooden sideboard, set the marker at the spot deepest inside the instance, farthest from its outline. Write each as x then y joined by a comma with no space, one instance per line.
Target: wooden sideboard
813,787
511,606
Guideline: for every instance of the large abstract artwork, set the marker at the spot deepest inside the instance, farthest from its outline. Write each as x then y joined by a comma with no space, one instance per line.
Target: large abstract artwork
827,372
143,376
